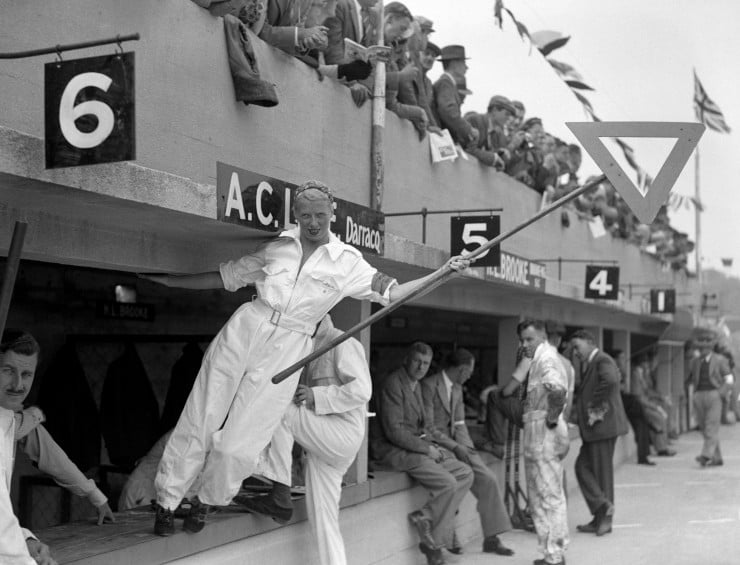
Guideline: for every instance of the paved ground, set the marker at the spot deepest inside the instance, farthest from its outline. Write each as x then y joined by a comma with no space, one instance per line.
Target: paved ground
673,513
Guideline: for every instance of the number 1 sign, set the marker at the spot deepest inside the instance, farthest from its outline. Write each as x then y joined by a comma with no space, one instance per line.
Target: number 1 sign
89,110
602,282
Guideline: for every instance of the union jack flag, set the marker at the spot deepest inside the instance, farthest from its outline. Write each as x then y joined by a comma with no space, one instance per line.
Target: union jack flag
707,111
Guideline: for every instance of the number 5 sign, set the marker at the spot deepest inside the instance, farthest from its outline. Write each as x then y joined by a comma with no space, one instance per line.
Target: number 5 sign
468,233
89,111
602,282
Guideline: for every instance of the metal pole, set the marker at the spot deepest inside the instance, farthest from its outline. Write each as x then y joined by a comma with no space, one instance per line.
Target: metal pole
424,213
697,215
11,271
69,47
377,167
560,268
434,281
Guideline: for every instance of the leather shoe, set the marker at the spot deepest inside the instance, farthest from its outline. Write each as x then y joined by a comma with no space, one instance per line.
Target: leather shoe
646,462
715,463
701,460
605,526
434,555
265,505
424,527
492,544
604,522
589,528
666,453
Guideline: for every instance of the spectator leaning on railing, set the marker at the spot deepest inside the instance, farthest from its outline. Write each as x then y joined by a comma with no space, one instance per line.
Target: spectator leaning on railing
416,89
492,147
447,100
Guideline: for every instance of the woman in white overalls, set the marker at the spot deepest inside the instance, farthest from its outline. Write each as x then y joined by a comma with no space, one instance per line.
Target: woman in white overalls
234,408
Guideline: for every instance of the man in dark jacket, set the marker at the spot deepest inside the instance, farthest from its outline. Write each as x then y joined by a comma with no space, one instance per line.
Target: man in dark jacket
406,442
447,100
601,419
443,397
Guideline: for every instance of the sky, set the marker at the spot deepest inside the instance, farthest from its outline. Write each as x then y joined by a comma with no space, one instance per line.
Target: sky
639,56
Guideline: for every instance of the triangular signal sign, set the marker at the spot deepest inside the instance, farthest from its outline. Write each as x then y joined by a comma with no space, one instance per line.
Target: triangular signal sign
645,207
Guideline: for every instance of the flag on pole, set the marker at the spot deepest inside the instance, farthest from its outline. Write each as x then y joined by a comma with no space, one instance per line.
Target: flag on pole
707,111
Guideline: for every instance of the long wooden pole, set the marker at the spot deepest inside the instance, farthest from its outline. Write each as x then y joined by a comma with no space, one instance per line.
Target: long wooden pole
436,280
11,271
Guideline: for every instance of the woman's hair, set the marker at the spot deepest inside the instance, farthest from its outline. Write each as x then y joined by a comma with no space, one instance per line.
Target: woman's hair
310,191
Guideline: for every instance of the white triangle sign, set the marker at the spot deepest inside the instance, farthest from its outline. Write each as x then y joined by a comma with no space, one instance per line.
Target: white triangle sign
645,207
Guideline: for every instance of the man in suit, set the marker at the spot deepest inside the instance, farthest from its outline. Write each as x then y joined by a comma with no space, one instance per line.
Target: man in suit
350,21
710,376
447,100
405,442
493,141
443,397
601,419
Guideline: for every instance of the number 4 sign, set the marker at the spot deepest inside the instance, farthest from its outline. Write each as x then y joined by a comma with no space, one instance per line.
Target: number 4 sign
89,110
602,282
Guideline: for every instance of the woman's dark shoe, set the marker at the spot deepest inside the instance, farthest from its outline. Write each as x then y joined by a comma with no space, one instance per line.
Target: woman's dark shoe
195,521
164,521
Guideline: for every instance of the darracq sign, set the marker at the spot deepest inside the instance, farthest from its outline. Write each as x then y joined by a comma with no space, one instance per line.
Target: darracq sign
265,203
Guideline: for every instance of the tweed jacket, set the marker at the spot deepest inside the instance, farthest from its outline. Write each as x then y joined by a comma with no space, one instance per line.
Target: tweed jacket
404,435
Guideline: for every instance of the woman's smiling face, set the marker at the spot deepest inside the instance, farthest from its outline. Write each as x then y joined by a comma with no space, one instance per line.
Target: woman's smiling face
313,212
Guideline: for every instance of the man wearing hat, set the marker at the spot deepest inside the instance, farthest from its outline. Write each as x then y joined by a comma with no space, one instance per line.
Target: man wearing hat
492,147
447,99
492,126
399,28
710,376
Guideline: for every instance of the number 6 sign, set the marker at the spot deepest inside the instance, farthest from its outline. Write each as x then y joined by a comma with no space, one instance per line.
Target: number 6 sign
89,111
602,282
468,233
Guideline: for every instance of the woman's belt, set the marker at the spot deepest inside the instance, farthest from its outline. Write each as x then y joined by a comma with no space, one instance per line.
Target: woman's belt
279,319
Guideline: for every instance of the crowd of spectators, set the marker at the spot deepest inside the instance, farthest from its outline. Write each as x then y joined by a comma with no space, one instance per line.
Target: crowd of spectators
503,137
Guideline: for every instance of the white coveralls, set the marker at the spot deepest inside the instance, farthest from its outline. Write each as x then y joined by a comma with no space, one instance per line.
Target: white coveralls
233,387
331,434
544,450
13,548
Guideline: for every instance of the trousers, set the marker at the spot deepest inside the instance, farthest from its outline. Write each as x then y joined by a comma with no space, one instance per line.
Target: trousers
595,472
708,407
494,518
232,411
447,483
331,442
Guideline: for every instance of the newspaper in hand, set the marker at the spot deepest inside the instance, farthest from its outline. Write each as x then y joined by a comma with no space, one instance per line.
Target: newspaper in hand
442,146
353,51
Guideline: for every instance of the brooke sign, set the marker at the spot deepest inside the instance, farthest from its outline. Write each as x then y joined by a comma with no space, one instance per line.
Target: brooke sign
264,203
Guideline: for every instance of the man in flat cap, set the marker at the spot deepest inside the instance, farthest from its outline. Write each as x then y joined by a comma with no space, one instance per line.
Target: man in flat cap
447,99
710,375
493,142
